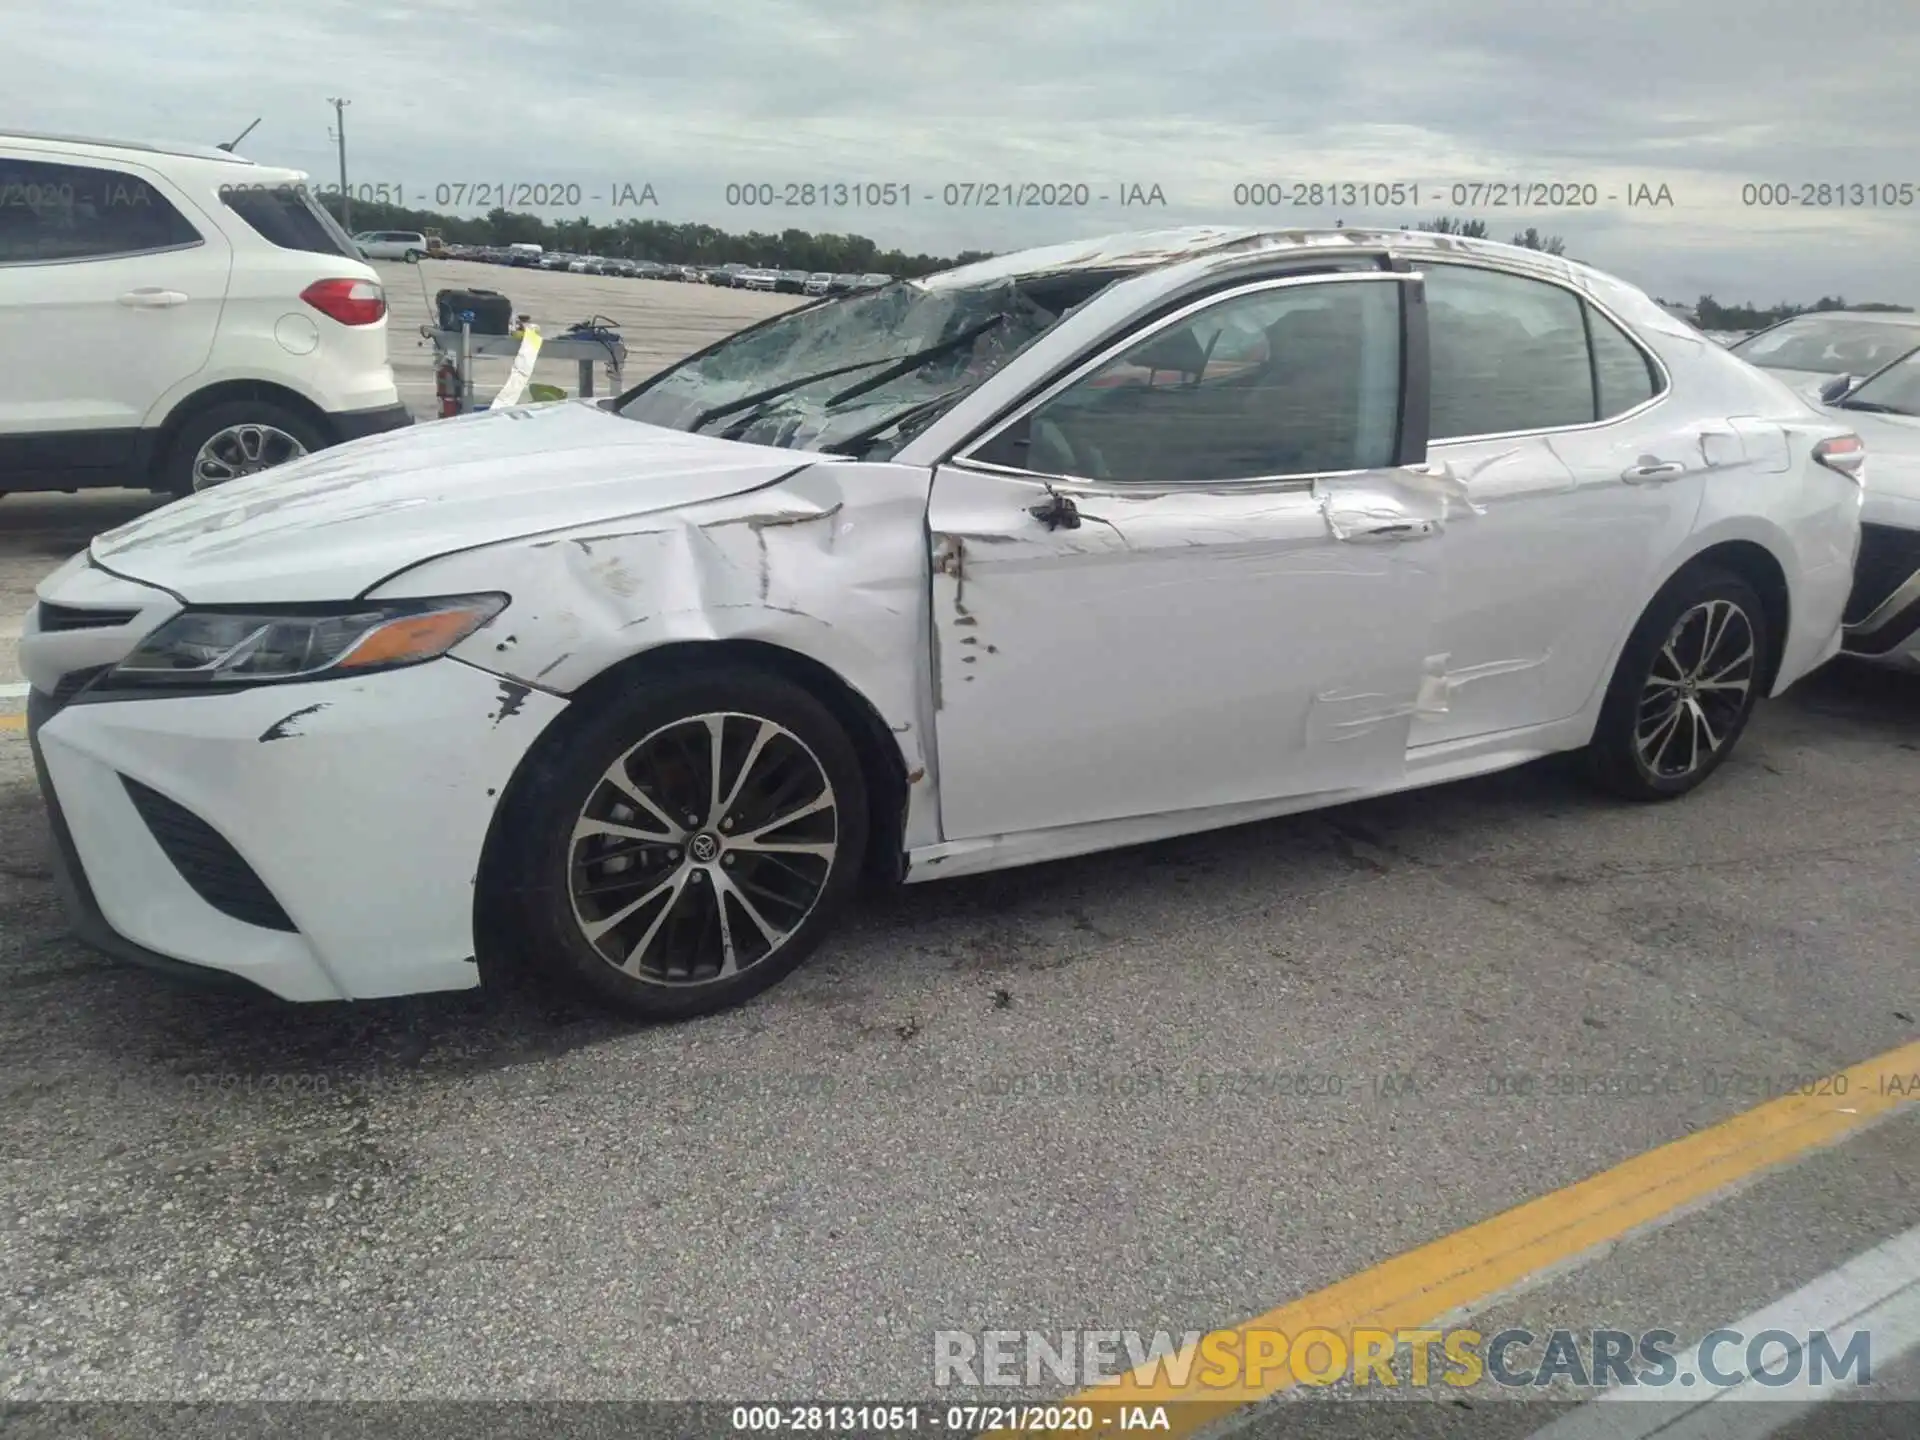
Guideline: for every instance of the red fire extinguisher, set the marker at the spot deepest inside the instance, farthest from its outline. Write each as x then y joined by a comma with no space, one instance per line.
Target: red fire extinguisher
446,385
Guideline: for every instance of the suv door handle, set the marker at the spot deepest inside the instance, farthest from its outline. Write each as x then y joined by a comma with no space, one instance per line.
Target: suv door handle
1387,534
1652,472
153,298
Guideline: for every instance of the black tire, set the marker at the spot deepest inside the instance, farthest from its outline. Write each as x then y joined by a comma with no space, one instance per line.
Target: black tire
657,733
412,257
1666,694
177,469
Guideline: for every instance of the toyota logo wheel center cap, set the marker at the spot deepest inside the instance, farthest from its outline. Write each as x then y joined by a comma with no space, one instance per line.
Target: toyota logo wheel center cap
704,848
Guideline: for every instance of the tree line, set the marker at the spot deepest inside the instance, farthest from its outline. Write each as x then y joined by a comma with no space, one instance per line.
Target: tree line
1710,314
673,243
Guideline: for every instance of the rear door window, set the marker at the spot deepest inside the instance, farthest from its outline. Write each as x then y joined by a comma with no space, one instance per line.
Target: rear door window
1507,353
83,212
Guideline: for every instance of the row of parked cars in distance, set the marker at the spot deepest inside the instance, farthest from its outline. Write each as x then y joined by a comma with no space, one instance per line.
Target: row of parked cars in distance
793,282
735,275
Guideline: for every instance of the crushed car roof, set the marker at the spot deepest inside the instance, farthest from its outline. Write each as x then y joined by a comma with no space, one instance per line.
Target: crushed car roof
1150,249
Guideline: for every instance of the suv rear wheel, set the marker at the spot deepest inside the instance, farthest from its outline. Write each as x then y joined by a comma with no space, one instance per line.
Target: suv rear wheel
241,437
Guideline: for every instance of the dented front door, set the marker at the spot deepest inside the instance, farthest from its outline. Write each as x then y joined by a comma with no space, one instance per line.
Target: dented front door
1175,650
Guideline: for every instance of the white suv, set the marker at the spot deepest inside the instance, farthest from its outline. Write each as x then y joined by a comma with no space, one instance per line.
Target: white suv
407,245
172,317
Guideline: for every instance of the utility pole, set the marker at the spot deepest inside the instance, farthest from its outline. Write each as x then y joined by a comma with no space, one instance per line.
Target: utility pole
340,135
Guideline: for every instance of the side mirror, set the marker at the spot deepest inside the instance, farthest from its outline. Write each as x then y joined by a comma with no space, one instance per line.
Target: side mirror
1837,388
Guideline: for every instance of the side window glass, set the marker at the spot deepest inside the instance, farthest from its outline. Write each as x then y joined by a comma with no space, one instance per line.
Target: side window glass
77,212
1627,377
1297,380
1507,353
288,217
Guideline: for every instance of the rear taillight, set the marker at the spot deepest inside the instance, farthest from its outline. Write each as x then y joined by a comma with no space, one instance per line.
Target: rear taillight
1846,454
351,302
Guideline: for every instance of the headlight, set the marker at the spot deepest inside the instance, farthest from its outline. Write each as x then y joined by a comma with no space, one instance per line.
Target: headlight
300,642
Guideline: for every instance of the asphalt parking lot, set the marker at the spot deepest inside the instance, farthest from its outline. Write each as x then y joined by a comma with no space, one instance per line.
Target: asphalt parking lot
659,320
1169,1088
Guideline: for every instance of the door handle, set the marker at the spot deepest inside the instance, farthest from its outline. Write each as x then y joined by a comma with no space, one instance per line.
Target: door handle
1652,472
1389,534
153,298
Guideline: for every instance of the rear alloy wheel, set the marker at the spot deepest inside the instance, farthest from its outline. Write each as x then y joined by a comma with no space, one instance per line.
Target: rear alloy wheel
1685,689
232,441
681,872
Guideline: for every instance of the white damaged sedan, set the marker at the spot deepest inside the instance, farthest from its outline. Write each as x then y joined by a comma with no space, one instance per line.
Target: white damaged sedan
1062,551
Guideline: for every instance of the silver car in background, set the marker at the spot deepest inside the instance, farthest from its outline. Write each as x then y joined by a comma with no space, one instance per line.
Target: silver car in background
1815,351
1883,614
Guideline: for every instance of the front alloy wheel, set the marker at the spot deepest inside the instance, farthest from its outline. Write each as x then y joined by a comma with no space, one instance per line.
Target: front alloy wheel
683,842
703,849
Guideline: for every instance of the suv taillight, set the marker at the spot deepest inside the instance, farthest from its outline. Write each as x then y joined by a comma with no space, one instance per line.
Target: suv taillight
351,302
1846,454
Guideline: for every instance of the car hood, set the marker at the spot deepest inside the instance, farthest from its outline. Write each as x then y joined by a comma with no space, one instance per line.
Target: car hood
331,526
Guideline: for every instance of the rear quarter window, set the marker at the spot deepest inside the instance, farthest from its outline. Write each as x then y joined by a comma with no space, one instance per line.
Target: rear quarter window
1625,374
288,217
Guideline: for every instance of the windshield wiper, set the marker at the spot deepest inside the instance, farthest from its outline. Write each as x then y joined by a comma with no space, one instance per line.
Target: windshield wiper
1872,407
906,364
895,369
774,392
857,442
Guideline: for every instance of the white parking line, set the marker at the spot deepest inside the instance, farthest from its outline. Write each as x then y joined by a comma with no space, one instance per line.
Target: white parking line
14,692
1877,1292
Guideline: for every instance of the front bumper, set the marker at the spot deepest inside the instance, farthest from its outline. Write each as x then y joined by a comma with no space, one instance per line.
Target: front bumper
84,917
360,807
358,424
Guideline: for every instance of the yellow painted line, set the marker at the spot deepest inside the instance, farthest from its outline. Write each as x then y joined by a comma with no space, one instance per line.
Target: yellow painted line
13,722
1473,1265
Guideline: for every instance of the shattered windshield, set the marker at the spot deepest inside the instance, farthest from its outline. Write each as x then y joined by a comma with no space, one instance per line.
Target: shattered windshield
849,368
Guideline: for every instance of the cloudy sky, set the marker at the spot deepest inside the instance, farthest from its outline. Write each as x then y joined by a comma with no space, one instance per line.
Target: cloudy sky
1704,97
